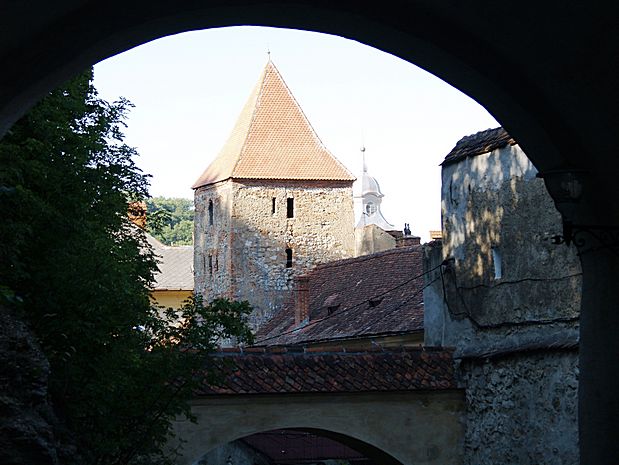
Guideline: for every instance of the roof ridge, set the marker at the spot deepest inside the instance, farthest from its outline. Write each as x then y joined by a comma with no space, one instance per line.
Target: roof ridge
253,117
363,258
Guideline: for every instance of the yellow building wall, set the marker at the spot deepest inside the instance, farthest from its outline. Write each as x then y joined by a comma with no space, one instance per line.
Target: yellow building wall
172,299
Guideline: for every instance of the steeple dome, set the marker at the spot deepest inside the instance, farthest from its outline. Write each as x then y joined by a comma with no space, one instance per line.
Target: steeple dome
371,198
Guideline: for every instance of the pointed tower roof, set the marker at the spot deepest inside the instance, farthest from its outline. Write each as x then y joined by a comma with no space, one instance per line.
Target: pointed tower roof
273,139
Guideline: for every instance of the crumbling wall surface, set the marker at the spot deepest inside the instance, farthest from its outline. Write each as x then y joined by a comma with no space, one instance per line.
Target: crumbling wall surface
522,409
212,255
508,301
26,418
321,230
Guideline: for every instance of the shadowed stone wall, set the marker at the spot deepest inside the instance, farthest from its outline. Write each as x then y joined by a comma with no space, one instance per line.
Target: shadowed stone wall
251,232
508,301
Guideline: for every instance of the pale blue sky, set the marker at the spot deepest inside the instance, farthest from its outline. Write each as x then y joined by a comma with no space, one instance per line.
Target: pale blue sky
188,90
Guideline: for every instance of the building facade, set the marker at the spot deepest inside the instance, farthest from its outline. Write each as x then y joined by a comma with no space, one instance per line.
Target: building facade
508,301
273,204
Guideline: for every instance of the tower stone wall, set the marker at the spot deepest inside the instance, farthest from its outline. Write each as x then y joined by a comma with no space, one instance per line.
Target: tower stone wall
251,233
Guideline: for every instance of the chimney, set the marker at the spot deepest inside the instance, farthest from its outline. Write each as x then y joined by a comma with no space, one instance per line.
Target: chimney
407,239
137,213
301,301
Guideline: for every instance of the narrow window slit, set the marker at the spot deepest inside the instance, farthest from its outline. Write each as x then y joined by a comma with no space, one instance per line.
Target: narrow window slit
288,258
290,207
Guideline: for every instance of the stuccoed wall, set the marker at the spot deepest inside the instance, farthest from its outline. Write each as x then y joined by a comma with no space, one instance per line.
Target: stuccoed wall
250,241
371,239
517,334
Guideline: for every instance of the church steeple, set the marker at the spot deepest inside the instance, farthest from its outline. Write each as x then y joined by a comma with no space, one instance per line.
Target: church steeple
371,198
273,139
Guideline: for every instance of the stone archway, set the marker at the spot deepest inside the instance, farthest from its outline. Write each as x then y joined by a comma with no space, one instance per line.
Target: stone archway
399,428
547,72
297,445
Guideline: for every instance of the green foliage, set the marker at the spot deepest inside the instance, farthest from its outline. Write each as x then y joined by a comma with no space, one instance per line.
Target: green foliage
171,220
77,269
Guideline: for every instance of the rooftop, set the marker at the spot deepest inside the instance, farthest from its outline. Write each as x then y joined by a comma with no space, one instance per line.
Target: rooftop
175,266
479,143
273,139
267,372
373,295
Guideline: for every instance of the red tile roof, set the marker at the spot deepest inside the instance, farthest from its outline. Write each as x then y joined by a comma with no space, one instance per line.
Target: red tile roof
479,143
273,139
408,369
373,295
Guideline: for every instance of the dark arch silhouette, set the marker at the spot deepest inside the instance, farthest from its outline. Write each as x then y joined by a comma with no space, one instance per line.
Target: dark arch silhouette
257,442
548,71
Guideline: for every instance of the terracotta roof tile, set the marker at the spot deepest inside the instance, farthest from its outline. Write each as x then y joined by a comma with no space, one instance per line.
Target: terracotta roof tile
273,139
479,143
378,294
293,372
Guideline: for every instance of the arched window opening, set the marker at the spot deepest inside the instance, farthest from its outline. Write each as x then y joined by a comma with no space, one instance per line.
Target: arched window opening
210,213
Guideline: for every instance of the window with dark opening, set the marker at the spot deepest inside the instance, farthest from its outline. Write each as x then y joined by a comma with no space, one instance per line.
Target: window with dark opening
273,206
288,258
290,207
210,212
210,264
216,263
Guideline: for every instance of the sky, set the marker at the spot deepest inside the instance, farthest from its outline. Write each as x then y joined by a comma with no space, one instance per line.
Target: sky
188,90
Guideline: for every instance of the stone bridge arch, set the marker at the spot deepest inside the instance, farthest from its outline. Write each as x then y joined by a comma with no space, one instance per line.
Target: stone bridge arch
405,428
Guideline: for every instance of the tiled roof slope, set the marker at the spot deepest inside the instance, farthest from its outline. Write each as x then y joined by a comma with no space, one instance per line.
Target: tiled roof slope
479,143
273,139
175,266
372,295
330,372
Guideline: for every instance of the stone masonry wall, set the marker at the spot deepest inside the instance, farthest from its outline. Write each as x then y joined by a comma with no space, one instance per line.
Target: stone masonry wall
249,240
320,231
508,301
522,409
212,277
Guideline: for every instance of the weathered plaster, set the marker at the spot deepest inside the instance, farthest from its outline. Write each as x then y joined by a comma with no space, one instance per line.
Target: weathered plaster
509,302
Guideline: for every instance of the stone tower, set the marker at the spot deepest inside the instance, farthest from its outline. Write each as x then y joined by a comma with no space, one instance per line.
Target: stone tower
273,203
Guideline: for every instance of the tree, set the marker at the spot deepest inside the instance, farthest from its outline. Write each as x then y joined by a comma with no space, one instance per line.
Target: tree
79,272
176,219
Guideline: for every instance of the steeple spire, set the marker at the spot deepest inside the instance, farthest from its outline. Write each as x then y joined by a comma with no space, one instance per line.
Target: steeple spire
365,167
371,198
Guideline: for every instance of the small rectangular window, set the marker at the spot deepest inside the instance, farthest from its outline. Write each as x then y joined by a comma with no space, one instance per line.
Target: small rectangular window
210,265
288,258
273,206
498,263
290,207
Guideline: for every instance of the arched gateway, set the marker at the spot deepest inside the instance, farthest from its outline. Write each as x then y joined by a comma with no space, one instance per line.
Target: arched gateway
547,72
403,405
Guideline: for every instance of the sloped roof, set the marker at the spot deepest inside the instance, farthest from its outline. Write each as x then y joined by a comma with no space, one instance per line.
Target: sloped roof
479,143
175,266
273,139
373,295
407,369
